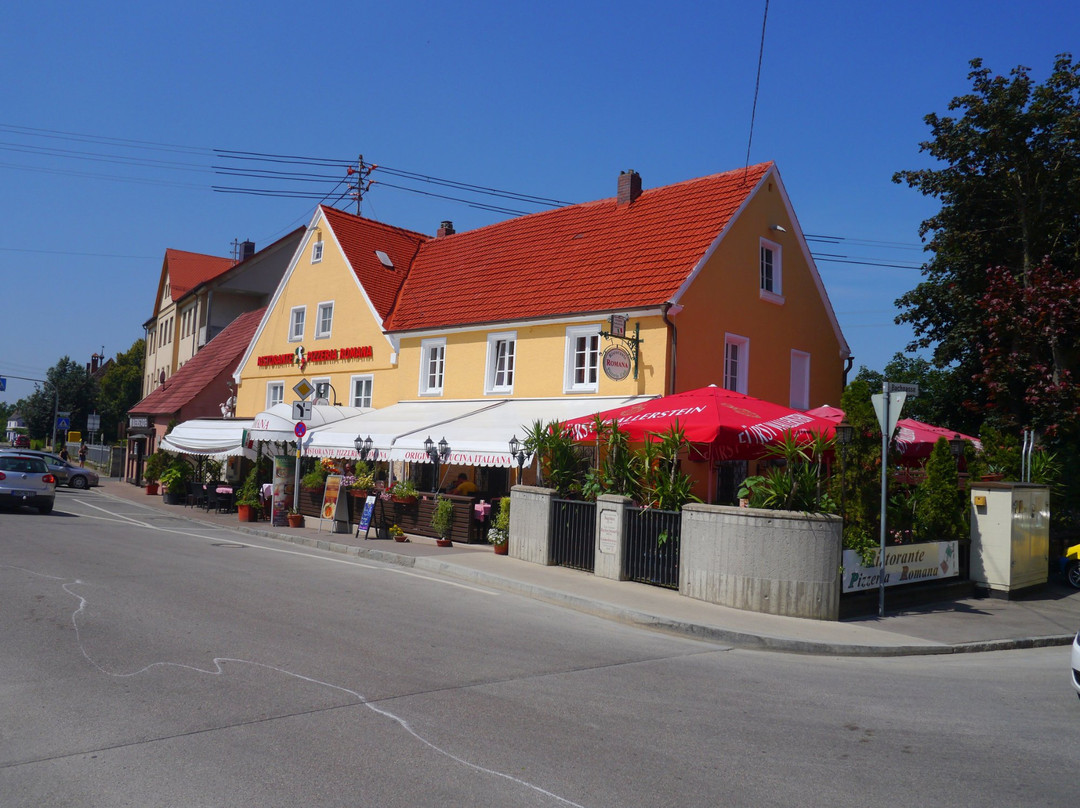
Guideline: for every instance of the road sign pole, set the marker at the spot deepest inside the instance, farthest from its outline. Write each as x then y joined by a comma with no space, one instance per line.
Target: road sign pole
884,495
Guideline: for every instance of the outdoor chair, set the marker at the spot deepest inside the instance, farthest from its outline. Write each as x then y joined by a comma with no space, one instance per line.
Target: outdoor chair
210,499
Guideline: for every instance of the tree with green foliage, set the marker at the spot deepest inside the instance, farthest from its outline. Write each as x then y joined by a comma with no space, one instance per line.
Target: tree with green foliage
1008,178
121,388
940,401
940,505
77,393
856,480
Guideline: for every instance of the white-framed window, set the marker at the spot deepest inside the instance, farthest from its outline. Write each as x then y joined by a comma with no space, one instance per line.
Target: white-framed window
360,390
800,381
297,318
771,271
324,321
499,375
582,364
432,366
275,393
316,251
736,362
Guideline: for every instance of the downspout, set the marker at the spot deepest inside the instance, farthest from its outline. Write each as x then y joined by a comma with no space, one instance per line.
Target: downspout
668,306
847,370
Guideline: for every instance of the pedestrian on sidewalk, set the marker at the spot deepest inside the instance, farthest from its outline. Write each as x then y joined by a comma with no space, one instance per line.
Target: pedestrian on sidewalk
82,453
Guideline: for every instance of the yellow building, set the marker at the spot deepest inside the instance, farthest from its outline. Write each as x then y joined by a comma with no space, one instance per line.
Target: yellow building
469,333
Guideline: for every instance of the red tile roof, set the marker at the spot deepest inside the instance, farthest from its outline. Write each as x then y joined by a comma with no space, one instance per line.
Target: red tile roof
221,353
598,256
187,270
359,239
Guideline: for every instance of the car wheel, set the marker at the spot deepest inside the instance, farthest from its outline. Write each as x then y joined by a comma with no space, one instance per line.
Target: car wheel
79,482
1072,574
45,508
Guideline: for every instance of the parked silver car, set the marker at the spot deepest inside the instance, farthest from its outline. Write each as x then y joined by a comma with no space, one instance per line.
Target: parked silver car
26,480
66,473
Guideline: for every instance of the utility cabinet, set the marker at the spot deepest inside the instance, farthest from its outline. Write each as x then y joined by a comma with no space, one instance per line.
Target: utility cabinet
1010,536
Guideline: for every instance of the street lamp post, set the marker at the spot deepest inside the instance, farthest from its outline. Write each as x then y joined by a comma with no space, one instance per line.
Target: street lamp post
364,449
845,434
518,454
438,454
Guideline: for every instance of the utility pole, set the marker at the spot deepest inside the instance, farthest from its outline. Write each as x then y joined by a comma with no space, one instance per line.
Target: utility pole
361,184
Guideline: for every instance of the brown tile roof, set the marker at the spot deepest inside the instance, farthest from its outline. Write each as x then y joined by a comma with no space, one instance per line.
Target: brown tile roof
597,256
187,270
221,353
360,238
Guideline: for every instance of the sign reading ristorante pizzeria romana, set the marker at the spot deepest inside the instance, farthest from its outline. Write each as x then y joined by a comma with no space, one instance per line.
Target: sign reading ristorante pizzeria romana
302,358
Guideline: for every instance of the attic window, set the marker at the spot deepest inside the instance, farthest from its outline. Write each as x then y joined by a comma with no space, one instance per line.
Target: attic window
316,251
384,259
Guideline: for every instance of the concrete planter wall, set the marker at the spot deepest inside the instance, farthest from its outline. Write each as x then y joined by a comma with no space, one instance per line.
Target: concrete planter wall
776,562
530,523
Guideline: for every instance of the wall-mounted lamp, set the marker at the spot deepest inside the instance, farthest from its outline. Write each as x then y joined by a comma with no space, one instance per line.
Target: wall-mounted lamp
778,228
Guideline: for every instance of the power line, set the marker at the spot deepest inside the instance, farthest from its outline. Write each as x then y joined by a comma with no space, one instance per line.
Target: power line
757,84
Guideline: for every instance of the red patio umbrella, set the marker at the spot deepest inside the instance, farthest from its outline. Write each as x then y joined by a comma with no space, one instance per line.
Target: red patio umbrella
914,439
720,424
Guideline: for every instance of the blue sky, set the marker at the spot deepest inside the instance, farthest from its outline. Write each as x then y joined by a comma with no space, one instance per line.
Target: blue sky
109,117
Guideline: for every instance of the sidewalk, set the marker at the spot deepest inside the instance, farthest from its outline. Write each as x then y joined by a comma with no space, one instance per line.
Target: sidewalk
1050,616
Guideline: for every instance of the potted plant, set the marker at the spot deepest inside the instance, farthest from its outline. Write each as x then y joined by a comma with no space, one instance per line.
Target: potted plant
442,519
397,534
404,491
499,534
296,519
175,479
247,498
155,465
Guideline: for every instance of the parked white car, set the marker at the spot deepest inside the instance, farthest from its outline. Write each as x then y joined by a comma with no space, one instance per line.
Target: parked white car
1076,664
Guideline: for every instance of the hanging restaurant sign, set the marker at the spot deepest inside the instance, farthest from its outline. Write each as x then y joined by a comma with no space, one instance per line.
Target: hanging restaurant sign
313,357
617,363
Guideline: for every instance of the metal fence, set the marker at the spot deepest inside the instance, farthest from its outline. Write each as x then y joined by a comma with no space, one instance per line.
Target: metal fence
652,546
573,534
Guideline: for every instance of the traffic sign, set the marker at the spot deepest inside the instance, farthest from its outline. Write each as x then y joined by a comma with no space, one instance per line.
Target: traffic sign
303,388
300,429
93,422
63,422
895,405
301,410
901,387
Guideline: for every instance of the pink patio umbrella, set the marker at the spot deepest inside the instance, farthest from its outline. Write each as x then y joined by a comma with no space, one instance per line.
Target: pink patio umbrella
914,439
719,424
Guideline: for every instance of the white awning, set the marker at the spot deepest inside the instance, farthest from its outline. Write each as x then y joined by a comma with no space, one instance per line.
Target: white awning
385,426
212,437
276,423
482,438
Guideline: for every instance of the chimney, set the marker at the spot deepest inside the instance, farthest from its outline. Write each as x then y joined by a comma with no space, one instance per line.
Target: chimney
95,362
446,228
247,249
629,187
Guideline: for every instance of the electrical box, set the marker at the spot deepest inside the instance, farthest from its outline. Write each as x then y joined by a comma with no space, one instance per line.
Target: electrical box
1010,536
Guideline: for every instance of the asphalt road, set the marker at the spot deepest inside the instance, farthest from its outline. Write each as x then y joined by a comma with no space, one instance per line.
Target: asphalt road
149,661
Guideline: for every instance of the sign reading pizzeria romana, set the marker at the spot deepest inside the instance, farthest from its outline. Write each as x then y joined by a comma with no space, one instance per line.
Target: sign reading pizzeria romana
312,357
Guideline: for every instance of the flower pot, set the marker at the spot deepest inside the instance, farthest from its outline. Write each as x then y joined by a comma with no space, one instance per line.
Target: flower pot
247,513
295,519
171,499
151,488
502,549
403,500
400,537
444,542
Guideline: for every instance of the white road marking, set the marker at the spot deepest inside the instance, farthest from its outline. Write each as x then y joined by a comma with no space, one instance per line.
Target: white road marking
219,670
